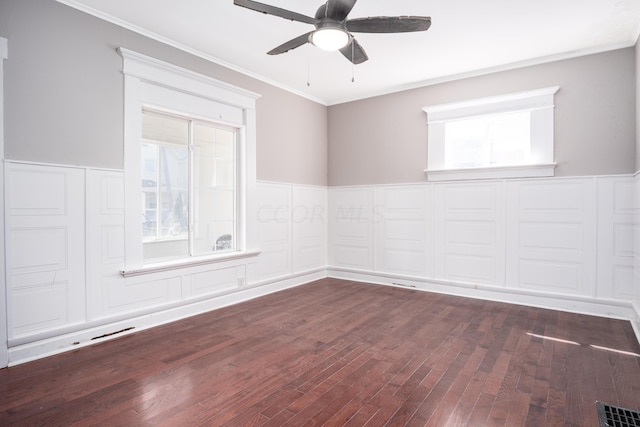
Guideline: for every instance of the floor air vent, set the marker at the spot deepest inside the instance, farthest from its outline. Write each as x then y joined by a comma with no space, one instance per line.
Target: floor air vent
614,416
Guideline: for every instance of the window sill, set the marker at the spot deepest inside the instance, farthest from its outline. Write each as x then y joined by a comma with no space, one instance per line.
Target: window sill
185,263
496,172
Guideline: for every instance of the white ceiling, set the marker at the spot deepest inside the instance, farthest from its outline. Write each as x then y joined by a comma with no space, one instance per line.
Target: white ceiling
466,37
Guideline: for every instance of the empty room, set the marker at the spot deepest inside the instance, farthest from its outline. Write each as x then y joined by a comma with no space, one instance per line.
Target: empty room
329,213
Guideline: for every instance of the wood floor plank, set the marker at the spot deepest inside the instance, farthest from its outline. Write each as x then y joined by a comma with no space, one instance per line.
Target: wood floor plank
339,353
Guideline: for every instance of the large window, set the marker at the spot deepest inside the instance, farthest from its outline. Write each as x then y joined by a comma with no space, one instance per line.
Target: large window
190,167
499,137
188,186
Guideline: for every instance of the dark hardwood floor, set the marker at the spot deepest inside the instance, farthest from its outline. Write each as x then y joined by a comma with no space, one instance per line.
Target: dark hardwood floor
339,353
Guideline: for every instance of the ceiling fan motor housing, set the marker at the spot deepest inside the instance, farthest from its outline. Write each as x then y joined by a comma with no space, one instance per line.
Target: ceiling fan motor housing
333,29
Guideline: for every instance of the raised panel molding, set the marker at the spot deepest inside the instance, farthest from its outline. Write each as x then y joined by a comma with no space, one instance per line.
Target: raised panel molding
567,243
38,249
551,229
615,238
552,197
50,195
129,295
470,198
402,230
636,248
81,229
544,236
544,274
352,216
45,251
292,231
4,353
112,200
40,306
214,281
563,237
309,228
105,240
357,257
470,268
469,232
112,244
274,229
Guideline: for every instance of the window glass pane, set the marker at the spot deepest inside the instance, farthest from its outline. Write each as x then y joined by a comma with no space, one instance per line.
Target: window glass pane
214,189
174,192
488,141
189,200
149,172
165,185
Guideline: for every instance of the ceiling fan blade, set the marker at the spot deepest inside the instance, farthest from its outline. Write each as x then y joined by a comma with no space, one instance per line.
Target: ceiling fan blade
354,52
275,11
389,24
291,44
339,9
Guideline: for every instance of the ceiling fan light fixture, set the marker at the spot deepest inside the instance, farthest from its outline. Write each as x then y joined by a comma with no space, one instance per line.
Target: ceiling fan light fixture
330,38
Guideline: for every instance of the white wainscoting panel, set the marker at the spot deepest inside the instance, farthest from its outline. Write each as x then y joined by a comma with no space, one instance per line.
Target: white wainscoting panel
404,230
564,243
615,238
65,240
213,281
274,225
469,232
351,227
636,250
4,353
136,293
105,240
309,228
551,235
44,211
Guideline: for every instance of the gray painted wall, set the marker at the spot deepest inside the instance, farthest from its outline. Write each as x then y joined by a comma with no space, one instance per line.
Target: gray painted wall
63,99
637,70
383,140
64,96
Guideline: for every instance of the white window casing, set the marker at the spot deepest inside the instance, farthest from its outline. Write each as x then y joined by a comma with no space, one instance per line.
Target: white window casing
153,83
540,161
4,355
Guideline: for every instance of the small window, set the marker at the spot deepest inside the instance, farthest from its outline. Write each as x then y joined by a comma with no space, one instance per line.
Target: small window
498,140
499,137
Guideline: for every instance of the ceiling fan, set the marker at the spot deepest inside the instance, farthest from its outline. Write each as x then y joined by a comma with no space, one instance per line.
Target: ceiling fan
333,29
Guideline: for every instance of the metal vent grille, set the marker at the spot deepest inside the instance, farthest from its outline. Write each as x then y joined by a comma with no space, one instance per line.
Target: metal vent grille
615,416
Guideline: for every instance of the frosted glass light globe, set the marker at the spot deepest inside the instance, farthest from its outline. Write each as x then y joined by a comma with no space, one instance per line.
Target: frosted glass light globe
330,38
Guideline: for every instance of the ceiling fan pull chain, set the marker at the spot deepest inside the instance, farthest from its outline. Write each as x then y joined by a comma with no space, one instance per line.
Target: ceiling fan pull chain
353,65
308,71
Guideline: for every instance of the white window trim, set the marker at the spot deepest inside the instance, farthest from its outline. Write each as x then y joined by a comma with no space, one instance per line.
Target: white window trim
191,262
143,74
4,352
540,102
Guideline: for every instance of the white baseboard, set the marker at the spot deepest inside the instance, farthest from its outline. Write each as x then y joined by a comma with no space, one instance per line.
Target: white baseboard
87,334
635,320
570,303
